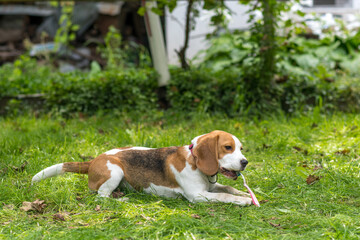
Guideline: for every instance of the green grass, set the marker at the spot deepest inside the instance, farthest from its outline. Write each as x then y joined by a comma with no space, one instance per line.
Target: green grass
291,209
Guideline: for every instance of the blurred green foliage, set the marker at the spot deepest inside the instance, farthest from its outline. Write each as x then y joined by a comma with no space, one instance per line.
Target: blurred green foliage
309,74
24,76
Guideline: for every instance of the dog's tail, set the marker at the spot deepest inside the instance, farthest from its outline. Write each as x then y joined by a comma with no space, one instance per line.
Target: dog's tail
59,169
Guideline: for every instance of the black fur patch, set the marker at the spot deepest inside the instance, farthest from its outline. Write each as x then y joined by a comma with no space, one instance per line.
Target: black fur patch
151,160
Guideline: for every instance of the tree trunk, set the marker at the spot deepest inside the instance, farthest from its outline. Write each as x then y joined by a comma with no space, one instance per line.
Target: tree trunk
182,52
267,48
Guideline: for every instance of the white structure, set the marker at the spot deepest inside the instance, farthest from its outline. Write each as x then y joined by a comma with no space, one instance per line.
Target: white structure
332,6
330,10
175,29
157,46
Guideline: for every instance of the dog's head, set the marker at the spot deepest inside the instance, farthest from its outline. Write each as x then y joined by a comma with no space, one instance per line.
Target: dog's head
219,151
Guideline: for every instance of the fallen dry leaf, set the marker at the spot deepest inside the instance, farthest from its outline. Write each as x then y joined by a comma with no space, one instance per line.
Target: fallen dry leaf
38,205
312,178
264,201
58,217
343,152
111,217
195,216
317,167
78,198
9,206
275,225
21,168
117,194
97,208
26,206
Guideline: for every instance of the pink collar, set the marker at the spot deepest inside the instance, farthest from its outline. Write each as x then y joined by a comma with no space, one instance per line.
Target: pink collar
191,146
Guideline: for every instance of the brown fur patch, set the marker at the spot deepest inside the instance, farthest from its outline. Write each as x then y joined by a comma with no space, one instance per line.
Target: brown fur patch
99,172
76,167
225,139
178,159
206,154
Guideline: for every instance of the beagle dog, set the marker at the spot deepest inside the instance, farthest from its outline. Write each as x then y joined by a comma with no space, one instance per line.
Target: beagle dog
189,170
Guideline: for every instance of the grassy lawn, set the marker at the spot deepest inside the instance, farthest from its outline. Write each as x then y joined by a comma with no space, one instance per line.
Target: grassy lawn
282,153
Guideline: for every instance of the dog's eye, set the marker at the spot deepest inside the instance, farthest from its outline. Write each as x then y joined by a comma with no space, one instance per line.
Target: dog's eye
228,147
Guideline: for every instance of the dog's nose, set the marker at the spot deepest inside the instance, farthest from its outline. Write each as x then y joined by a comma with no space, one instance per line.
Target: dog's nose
244,162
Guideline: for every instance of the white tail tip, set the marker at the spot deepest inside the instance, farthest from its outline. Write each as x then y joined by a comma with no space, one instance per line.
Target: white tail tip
49,172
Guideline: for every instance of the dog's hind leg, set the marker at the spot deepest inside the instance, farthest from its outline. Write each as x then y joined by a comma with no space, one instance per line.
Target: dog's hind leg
107,184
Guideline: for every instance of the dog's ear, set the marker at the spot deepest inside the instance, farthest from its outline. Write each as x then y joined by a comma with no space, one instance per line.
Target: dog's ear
206,154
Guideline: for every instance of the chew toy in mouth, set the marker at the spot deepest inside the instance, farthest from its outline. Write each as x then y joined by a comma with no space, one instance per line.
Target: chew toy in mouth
253,197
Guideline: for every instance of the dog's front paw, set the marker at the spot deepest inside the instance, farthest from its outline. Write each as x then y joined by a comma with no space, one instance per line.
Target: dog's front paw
244,201
248,201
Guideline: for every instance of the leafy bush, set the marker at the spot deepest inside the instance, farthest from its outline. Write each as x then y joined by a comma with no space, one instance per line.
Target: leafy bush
309,72
24,76
201,90
86,92
130,90
227,50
